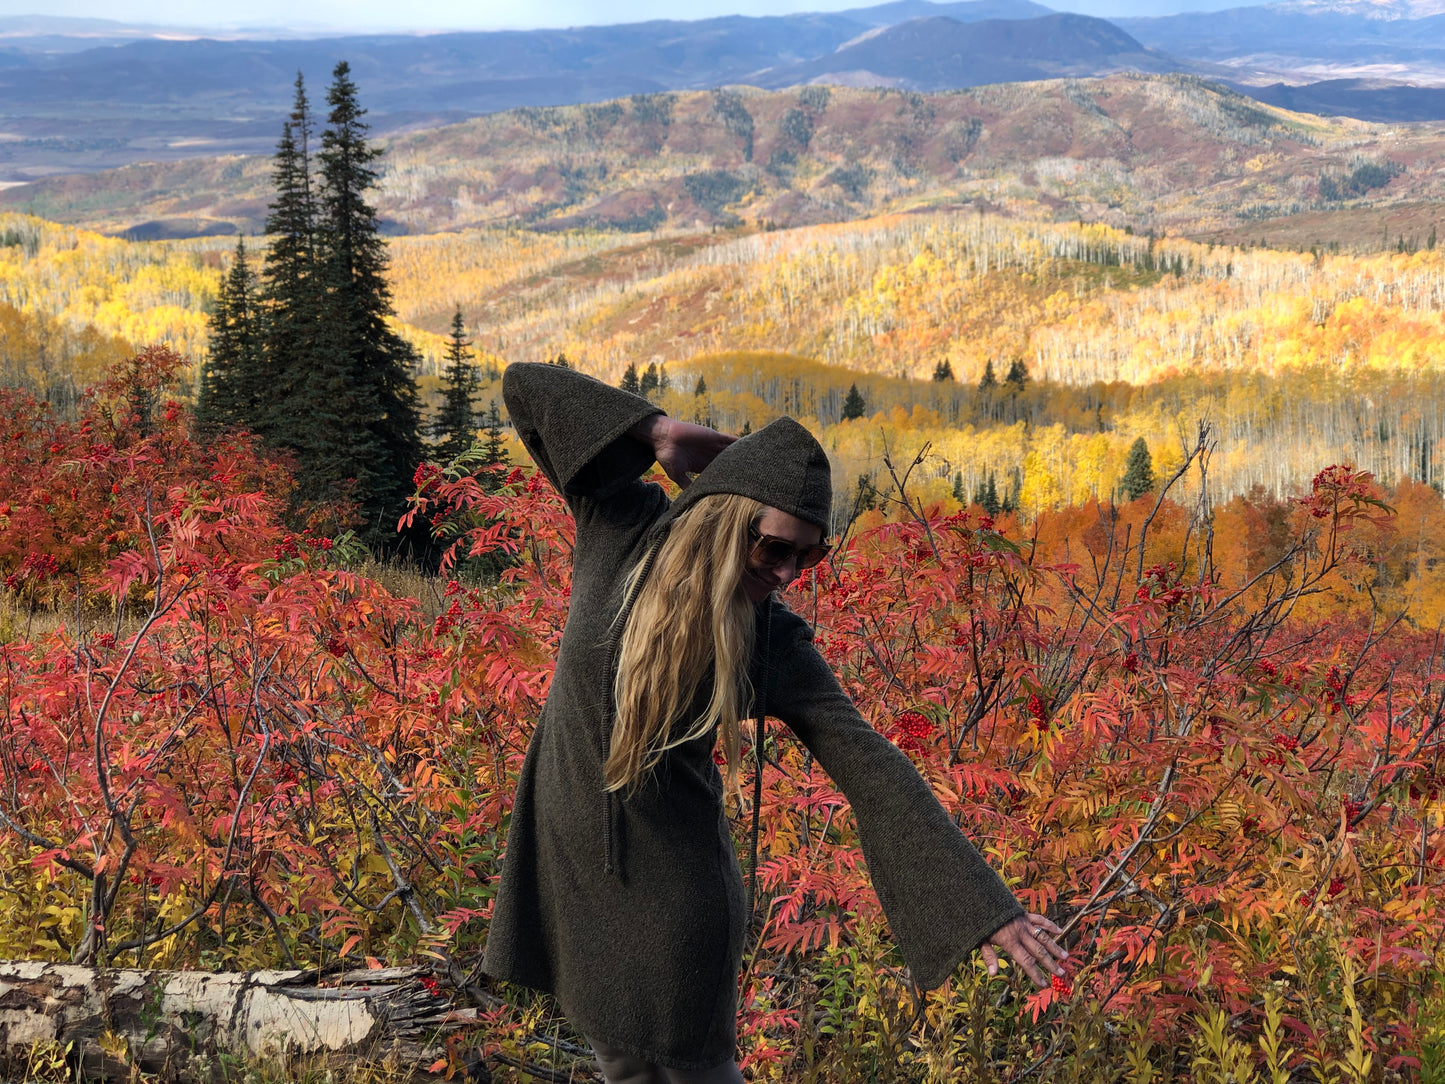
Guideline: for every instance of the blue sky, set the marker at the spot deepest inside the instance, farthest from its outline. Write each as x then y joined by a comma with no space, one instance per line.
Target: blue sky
490,14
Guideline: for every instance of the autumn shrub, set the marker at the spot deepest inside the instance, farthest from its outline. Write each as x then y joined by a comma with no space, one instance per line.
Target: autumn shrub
1220,773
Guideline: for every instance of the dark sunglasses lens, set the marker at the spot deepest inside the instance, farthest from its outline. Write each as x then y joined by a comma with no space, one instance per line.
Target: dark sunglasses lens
773,551
812,556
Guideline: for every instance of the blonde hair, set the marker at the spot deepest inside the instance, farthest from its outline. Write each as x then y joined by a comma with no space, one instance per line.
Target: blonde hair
690,618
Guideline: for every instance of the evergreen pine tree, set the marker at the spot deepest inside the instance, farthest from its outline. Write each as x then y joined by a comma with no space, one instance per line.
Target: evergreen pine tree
649,381
290,295
942,372
958,493
1138,471
363,366
629,380
663,380
990,502
1017,376
988,381
747,427
454,428
700,388
853,406
494,448
561,361
232,377
216,396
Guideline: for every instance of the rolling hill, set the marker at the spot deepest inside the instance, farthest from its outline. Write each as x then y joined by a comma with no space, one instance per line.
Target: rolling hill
1151,152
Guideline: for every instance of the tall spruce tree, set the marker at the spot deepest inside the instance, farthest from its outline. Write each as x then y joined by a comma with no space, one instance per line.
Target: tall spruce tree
291,289
232,376
494,446
630,381
853,405
455,425
650,380
1017,377
1138,471
361,381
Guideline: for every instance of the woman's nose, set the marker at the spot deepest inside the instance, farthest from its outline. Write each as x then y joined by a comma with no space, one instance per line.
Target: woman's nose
787,572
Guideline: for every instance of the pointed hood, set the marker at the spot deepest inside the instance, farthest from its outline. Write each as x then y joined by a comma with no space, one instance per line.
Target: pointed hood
782,465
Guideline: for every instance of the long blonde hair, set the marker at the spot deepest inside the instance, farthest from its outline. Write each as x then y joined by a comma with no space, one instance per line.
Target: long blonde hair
691,616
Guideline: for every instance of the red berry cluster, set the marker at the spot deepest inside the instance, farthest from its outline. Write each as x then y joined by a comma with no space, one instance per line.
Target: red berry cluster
912,729
1061,986
425,475
431,986
448,621
1038,712
287,548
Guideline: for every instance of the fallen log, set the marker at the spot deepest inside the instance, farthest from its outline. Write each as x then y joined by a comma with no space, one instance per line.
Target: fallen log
188,1025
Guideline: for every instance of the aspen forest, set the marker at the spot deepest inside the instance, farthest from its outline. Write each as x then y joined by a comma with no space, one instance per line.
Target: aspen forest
1140,557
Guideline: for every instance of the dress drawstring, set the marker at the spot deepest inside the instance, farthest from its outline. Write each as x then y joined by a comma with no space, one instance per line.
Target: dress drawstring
609,798
760,736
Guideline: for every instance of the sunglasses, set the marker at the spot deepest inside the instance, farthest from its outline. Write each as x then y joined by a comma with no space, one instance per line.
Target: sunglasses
770,551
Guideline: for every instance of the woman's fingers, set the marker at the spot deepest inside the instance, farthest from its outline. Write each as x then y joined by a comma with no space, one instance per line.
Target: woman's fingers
1028,942
990,959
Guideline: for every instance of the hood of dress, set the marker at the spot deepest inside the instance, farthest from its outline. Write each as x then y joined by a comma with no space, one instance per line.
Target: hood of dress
781,465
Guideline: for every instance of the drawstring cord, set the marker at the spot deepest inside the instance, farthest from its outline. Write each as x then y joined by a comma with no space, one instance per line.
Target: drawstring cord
760,734
609,809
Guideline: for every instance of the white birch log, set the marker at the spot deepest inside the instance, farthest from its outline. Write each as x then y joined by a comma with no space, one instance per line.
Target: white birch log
183,1024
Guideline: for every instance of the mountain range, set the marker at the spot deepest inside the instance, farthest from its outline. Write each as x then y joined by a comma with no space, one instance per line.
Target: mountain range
1169,153
85,95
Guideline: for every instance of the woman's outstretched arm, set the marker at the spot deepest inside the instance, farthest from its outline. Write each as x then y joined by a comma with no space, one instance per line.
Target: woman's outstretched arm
942,899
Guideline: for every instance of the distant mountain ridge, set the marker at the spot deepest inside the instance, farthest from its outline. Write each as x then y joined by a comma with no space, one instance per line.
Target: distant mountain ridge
84,95
1165,152
939,53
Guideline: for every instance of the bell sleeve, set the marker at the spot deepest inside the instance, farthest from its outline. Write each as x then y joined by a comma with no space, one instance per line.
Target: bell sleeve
941,898
575,428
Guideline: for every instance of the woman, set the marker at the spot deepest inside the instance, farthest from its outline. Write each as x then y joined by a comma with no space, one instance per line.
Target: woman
620,891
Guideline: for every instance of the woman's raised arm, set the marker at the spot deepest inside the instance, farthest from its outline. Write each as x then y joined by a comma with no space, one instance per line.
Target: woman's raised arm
578,430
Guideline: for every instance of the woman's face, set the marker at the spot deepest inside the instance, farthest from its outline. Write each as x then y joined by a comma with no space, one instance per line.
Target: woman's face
759,578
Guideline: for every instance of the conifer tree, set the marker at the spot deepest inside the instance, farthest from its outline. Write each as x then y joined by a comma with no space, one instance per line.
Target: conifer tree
853,406
290,286
1017,376
1138,471
990,502
650,381
361,381
700,388
629,380
942,372
988,381
747,427
494,448
454,428
232,377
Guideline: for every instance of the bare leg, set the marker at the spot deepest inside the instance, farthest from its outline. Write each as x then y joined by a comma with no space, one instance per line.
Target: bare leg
727,1073
622,1068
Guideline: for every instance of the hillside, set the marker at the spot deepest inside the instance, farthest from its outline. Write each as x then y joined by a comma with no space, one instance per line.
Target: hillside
1152,152
1299,359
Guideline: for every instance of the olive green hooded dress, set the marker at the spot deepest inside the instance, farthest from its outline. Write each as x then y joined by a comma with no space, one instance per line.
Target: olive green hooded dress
630,908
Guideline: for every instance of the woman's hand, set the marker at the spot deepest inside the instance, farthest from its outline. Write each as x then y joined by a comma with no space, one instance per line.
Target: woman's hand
1029,941
682,449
